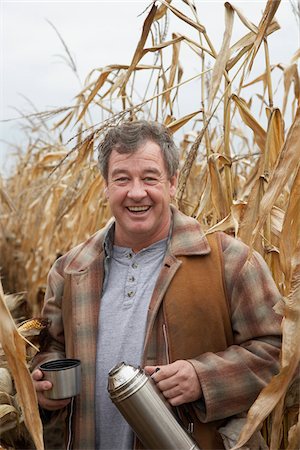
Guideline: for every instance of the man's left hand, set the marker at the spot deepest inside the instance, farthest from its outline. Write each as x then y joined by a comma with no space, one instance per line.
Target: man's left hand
178,382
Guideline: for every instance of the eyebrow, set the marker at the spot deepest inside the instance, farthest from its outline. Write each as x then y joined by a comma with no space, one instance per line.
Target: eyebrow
150,170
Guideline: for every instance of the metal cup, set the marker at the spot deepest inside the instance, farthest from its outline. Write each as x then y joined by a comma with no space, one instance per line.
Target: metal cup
65,376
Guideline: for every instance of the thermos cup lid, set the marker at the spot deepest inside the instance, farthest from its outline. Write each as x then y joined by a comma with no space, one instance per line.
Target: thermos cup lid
65,376
60,364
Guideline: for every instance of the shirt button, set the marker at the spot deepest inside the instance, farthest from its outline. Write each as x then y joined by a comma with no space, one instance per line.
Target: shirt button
130,294
129,255
131,279
134,265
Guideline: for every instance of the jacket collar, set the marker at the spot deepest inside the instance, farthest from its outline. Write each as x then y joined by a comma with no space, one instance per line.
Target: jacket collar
187,236
83,255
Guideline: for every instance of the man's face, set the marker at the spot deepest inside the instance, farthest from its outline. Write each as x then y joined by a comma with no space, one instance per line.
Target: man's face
139,194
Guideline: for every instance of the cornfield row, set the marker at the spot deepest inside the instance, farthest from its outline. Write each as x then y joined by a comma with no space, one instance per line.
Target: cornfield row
236,175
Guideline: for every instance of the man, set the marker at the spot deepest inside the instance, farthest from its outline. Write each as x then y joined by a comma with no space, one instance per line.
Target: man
150,289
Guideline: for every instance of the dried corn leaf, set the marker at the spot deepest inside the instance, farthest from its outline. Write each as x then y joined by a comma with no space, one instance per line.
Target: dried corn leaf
161,11
243,18
251,210
195,46
290,348
177,38
89,85
217,188
276,434
14,348
265,403
245,44
99,83
205,198
248,40
291,323
251,122
174,68
52,157
231,222
222,57
290,231
275,139
258,79
183,17
291,75
268,15
65,120
286,165
296,56
138,54
177,124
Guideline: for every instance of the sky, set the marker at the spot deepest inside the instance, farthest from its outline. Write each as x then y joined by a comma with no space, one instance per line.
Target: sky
97,33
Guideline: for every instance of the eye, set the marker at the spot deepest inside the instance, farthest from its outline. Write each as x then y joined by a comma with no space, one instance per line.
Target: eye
121,180
150,180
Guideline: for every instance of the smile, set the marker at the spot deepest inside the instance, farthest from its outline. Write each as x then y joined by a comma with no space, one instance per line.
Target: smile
138,209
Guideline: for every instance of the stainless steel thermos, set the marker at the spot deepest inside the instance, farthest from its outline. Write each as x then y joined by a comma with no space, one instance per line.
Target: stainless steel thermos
146,410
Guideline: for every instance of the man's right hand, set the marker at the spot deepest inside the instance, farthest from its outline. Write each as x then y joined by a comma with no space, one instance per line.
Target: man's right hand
41,386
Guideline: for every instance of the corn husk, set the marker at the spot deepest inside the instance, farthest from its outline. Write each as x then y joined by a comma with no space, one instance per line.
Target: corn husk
6,383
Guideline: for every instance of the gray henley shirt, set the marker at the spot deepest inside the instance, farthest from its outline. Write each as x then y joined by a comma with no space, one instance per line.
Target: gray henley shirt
124,305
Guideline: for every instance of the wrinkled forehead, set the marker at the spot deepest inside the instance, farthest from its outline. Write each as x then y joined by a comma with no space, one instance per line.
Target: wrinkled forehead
131,147
147,156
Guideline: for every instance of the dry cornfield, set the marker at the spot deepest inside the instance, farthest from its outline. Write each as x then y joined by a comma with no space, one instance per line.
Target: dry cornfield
239,173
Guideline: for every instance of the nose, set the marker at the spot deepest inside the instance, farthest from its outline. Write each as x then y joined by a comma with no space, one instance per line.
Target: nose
137,190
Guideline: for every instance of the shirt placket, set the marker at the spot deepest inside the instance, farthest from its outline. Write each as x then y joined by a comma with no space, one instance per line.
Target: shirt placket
131,278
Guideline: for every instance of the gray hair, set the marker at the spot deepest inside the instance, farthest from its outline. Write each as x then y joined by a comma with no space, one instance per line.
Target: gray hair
129,136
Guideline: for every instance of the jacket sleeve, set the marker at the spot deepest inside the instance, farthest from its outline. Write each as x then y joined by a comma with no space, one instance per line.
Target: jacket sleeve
53,342
231,380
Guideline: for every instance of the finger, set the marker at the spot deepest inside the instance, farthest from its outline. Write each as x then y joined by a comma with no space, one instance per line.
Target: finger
167,384
172,393
177,401
151,370
165,373
37,374
38,382
41,386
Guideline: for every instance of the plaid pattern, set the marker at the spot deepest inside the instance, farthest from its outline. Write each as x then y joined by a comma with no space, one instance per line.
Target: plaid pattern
230,379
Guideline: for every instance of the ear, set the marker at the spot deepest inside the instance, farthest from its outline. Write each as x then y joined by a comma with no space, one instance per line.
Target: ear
173,184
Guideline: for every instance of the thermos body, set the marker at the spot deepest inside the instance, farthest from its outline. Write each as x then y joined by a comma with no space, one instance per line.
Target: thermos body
146,410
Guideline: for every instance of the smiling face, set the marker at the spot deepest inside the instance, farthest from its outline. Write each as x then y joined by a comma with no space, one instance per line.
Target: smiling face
139,193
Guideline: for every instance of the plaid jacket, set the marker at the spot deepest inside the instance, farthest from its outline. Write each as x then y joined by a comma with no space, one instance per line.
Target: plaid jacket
231,378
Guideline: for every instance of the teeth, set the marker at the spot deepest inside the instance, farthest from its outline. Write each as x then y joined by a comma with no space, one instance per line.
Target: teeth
138,208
